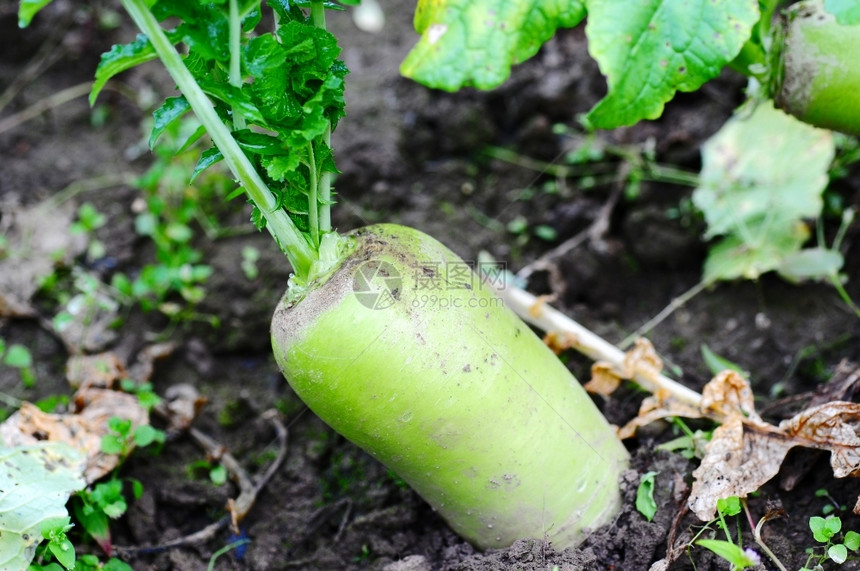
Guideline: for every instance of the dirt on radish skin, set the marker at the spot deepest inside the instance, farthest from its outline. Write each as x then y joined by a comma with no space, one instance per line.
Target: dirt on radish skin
408,354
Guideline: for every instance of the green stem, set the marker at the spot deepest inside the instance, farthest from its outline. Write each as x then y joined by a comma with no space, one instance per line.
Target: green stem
843,293
300,253
235,58
650,171
313,198
751,61
324,183
662,173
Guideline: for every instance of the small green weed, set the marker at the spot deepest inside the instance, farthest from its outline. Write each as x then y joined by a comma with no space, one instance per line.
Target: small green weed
826,531
250,257
123,437
733,552
690,444
54,530
90,220
19,357
216,473
146,396
170,214
96,506
832,503
645,503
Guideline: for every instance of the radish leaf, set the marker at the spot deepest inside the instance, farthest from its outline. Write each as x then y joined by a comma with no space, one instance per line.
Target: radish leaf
28,9
649,50
35,484
475,42
171,110
119,59
763,173
810,263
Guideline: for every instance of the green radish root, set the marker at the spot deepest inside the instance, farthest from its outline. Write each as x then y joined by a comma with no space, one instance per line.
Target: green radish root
386,334
425,368
817,77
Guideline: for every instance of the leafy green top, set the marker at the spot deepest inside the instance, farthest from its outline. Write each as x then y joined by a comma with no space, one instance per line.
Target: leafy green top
290,94
268,99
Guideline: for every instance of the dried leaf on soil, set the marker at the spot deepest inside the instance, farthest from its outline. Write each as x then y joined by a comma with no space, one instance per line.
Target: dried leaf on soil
82,430
36,240
745,451
96,403
102,370
832,426
143,367
604,379
182,403
640,361
737,462
728,395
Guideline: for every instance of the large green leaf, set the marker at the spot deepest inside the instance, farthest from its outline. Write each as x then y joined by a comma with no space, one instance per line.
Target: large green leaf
475,42
763,173
120,58
649,49
28,9
35,484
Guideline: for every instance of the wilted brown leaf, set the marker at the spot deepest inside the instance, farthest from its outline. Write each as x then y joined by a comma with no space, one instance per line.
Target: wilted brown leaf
37,239
832,426
560,342
727,395
83,430
656,408
604,380
738,460
745,452
102,370
182,403
144,365
536,309
642,360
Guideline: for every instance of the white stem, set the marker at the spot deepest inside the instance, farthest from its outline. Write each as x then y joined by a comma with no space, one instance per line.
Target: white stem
547,318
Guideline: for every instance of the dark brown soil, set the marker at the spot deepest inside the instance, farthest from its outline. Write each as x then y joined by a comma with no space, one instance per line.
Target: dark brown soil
414,156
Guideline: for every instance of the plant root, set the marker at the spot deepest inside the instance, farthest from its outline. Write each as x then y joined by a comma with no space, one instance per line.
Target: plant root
534,311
